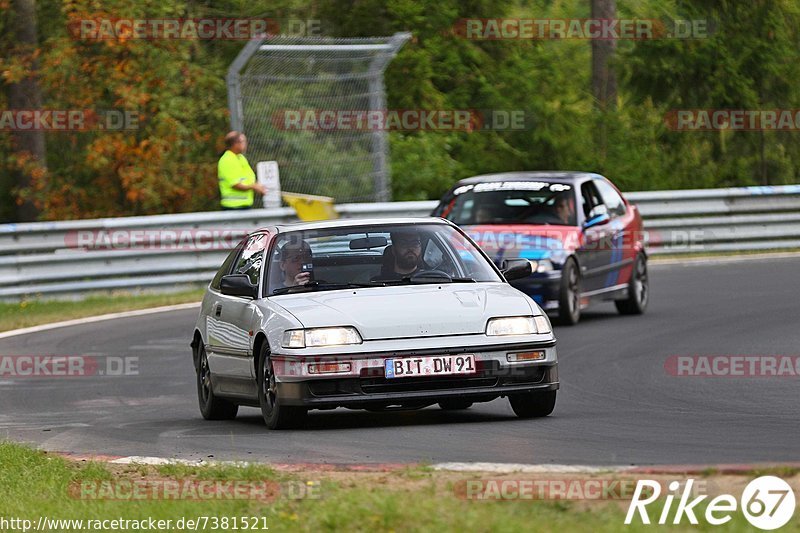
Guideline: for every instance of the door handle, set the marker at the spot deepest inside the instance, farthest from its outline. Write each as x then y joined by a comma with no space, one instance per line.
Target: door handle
218,310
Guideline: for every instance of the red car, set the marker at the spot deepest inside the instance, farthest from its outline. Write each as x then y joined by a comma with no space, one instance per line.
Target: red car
584,240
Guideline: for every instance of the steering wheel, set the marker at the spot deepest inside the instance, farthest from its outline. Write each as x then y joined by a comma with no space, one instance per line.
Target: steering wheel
432,273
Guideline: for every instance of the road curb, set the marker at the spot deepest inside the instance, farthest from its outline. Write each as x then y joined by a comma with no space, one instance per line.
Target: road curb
492,468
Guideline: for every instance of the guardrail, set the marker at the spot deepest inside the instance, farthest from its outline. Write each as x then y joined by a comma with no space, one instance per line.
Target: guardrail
45,258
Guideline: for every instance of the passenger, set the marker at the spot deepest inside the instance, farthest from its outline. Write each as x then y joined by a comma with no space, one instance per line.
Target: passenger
296,263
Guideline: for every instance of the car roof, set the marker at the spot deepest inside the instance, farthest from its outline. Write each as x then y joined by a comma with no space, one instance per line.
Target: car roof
357,223
558,176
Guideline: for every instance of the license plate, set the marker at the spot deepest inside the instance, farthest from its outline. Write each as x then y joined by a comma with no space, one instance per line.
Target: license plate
439,365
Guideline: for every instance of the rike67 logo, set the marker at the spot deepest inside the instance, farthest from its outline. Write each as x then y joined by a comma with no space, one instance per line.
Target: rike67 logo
767,502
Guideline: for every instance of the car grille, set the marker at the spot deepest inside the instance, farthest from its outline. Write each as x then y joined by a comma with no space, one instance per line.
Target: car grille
381,385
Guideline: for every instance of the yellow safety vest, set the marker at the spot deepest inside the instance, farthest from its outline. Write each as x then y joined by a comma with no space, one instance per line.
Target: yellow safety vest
232,169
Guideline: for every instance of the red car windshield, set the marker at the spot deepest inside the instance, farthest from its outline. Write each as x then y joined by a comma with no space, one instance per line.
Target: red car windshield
531,202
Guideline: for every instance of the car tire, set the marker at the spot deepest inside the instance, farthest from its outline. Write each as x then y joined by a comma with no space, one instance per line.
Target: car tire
211,406
638,290
569,299
276,414
533,404
455,404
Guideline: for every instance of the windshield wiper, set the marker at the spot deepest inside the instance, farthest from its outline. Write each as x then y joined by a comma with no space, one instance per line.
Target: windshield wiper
313,285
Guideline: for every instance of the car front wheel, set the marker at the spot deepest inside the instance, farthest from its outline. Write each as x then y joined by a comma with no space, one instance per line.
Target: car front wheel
638,290
211,407
569,300
276,414
533,404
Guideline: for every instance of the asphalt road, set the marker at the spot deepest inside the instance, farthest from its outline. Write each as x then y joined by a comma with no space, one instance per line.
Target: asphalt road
617,405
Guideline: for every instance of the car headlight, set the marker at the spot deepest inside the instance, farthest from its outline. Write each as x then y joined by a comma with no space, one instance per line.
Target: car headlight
316,337
542,324
518,325
544,265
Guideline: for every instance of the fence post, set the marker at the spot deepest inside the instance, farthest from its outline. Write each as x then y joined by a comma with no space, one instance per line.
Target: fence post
274,81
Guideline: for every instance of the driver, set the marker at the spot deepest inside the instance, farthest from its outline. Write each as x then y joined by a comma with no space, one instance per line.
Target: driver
483,215
563,209
294,255
407,252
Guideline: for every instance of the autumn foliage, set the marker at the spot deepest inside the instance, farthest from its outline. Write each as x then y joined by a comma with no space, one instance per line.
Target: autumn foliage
749,60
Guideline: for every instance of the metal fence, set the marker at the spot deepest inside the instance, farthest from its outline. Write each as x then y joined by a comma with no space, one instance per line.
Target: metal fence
290,94
49,258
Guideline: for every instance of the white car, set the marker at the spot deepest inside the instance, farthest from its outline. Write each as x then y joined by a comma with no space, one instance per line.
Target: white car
369,314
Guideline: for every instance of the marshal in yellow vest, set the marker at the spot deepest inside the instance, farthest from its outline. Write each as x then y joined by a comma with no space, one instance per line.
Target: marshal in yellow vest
232,169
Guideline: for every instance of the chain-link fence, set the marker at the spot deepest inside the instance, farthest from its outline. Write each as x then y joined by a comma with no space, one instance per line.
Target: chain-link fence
301,102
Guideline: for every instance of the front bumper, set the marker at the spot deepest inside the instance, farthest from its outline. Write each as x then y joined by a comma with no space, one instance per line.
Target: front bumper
494,377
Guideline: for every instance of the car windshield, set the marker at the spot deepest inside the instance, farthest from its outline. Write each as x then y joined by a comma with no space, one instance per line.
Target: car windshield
373,256
513,202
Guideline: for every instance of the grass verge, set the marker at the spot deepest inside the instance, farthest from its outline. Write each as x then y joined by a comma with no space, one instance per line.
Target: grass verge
28,313
34,484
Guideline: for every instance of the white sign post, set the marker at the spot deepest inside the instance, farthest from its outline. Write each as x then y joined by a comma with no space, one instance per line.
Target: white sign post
267,172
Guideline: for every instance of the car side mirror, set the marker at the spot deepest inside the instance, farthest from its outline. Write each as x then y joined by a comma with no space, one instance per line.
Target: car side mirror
516,269
238,285
597,220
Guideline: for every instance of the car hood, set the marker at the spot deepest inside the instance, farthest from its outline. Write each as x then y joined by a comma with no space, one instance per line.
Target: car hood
527,241
409,310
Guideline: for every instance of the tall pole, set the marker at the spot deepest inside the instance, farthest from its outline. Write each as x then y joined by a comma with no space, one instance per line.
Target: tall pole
380,167
604,78
26,94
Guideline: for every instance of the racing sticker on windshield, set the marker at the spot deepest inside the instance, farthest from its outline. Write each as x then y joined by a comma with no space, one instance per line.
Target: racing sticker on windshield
513,186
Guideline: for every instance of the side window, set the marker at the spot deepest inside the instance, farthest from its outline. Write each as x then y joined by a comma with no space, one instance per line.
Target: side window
444,207
433,254
225,269
467,255
249,261
612,199
589,197
439,255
